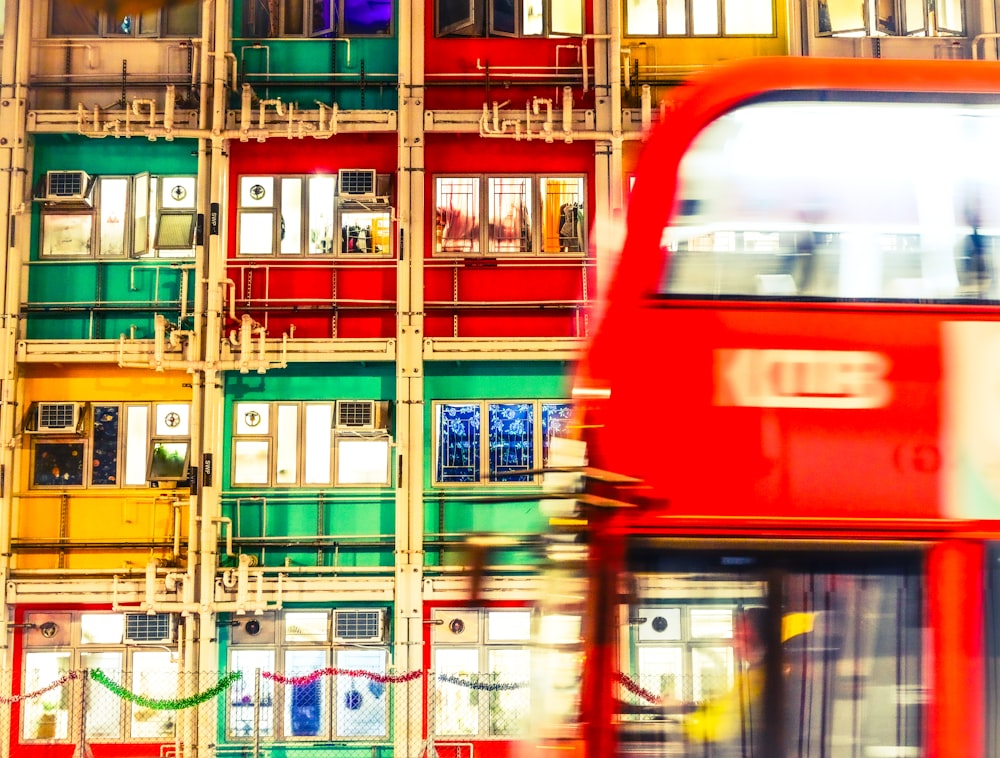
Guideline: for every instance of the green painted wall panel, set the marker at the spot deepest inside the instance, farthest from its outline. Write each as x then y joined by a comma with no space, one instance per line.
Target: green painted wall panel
315,381
359,74
131,294
130,300
344,527
113,156
495,379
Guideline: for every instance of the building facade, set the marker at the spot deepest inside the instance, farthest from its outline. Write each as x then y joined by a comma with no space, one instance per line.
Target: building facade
291,295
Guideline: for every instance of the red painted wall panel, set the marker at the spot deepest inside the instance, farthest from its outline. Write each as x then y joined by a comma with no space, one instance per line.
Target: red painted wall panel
299,291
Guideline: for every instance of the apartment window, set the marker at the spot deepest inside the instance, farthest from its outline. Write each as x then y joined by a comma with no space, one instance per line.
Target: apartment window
140,216
509,215
480,441
298,644
481,663
57,643
317,18
901,18
108,444
698,18
508,18
70,18
333,443
304,216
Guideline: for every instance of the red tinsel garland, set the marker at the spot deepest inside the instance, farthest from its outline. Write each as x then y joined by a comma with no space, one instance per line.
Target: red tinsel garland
375,677
635,689
30,695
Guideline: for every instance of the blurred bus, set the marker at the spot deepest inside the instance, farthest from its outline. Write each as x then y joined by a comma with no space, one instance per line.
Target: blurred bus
791,411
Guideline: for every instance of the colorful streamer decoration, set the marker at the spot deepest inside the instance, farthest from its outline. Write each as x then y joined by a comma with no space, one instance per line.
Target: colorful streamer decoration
491,687
297,681
635,689
166,705
4,700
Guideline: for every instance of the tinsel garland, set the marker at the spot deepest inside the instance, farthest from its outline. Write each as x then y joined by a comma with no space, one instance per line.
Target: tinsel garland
4,700
448,679
166,705
635,689
312,677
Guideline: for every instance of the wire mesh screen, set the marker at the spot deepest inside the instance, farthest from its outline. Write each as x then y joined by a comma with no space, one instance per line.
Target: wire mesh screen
246,713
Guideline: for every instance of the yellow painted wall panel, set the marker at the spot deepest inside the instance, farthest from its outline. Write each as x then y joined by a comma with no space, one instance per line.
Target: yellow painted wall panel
97,527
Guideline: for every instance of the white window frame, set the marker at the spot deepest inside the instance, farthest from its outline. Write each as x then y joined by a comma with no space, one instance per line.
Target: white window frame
481,19
279,29
145,24
137,435
547,232
64,700
276,697
695,13
888,18
146,205
263,195
484,447
286,464
484,702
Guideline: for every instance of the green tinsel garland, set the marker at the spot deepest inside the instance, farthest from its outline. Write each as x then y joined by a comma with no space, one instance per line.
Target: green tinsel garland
166,705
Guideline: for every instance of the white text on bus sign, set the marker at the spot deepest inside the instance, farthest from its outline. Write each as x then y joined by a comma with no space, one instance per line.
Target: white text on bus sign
833,379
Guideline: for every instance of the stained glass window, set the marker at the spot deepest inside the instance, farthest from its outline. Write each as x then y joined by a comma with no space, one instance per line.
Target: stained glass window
512,443
458,449
512,432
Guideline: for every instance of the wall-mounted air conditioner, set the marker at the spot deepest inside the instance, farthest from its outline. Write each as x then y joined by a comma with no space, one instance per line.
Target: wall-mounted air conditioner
66,187
149,629
362,415
356,183
54,418
359,625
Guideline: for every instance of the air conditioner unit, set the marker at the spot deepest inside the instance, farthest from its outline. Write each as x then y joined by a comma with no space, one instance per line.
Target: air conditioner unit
147,629
66,187
362,415
356,183
55,418
359,625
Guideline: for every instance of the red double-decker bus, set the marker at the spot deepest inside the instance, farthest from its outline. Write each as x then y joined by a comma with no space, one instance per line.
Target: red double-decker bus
796,386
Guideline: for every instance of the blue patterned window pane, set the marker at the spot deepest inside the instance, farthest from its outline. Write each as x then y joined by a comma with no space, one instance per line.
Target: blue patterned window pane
105,445
58,464
457,455
555,417
512,440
